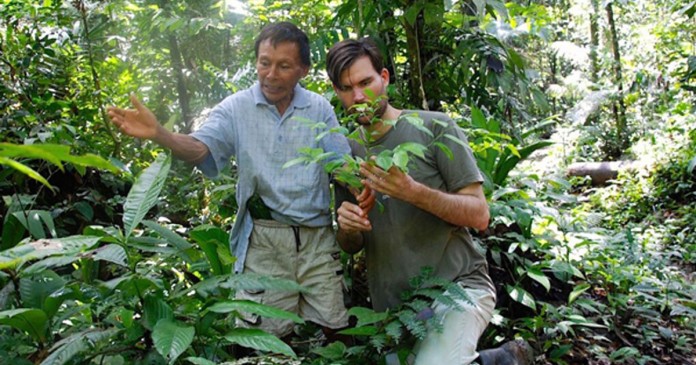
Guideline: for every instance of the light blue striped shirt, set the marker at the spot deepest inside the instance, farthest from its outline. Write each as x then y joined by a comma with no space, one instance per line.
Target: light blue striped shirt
247,127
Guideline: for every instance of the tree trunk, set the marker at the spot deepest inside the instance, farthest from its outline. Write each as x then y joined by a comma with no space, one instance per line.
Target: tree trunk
594,41
599,172
594,62
413,41
619,109
178,68
182,92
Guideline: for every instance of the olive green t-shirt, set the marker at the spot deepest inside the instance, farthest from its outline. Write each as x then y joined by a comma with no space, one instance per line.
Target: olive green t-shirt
404,238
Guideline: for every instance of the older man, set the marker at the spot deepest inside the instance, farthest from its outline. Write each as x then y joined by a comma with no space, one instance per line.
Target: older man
289,234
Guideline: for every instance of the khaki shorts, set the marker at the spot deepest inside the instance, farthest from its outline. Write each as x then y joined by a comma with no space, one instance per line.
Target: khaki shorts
309,256
462,327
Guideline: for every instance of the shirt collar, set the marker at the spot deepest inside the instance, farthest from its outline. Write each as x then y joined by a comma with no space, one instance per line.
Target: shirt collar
299,100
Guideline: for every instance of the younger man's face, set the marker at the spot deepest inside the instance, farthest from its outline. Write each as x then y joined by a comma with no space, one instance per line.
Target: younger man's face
362,84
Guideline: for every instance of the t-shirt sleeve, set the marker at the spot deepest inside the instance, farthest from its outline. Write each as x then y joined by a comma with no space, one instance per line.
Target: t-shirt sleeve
219,135
460,170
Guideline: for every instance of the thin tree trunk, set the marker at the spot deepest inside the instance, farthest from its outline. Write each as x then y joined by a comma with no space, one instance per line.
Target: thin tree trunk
359,26
594,41
178,68
182,92
618,106
594,62
413,41
553,67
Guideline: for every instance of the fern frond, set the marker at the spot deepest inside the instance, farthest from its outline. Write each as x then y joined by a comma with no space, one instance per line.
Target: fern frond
394,330
415,326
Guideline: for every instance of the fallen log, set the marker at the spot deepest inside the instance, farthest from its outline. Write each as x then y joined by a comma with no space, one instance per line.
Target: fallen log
599,172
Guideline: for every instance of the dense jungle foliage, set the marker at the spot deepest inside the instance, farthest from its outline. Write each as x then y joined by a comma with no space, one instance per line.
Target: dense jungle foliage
113,253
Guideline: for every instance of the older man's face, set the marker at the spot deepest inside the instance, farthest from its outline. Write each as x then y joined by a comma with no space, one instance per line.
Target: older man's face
279,69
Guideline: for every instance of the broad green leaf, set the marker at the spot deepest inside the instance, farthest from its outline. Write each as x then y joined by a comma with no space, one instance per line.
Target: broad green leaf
34,221
508,163
565,271
259,340
111,253
26,170
560,351
7,292
478,120
401,160
85,210
210,285
31,320
143,195
538,276
66,349
296,161
12,232
521,296
48,152
333,351
445,149
43,248
199,361
258,282
582,321
360,331
90,160
131,285
156,310
455,139
54,153
172,339
692,165
384,160
412,12
210,239
577,291
624,353
502,192
171,237
417,122
254,308
49,263
513,150
366,316
412,148
34,290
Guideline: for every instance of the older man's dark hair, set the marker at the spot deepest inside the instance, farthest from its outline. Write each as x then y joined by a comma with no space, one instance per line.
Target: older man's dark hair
285,32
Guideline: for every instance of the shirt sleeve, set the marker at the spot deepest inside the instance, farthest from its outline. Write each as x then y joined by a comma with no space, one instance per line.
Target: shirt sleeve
461,170
219,135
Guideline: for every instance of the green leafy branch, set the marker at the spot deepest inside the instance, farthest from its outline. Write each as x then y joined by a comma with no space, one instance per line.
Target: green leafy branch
346,168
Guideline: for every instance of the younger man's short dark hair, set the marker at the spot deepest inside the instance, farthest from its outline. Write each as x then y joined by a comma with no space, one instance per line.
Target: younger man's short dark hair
344,53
